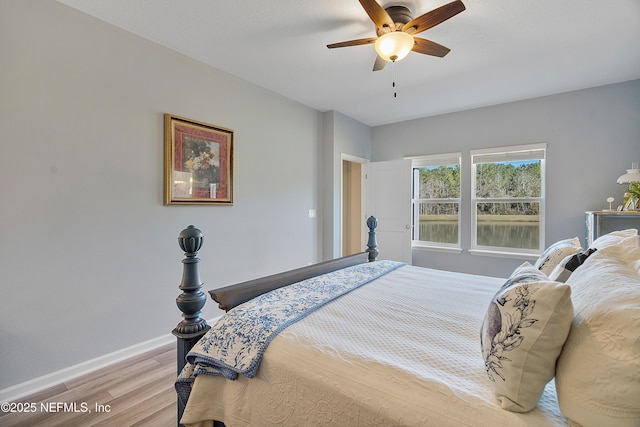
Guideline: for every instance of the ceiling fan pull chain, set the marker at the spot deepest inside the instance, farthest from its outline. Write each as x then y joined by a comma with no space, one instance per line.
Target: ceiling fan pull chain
393,84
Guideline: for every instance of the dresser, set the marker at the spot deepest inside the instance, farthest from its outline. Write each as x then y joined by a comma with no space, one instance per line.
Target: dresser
603,222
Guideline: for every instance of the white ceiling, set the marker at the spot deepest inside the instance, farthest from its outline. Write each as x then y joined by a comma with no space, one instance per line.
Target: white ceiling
501,50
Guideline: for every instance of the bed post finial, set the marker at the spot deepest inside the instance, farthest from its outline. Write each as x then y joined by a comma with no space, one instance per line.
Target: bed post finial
192,299
372,245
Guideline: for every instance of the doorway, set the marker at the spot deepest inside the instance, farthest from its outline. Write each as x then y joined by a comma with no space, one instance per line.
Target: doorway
352,237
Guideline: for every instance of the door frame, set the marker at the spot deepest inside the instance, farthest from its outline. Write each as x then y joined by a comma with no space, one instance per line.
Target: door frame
353,159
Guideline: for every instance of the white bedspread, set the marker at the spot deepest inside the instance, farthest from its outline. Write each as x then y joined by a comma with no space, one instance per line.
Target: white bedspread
402,350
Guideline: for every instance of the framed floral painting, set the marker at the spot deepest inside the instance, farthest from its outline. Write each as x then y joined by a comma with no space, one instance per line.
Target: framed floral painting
198,163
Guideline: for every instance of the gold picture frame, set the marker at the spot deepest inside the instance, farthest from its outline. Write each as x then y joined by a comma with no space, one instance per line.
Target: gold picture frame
198,168
629,205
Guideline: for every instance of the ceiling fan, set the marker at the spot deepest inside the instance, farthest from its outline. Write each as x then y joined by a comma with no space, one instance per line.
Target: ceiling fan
396,28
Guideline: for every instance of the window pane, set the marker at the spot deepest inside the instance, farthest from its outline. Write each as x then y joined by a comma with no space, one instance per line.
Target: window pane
438,222
439,182
436,200
509,225
508,179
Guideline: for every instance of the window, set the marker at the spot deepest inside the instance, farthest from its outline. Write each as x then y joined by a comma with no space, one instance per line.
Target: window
436,200
507,198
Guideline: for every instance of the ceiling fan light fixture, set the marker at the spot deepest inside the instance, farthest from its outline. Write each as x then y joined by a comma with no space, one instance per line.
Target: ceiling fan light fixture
394,46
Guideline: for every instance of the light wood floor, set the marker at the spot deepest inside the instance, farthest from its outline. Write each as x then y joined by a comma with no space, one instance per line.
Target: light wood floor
135,392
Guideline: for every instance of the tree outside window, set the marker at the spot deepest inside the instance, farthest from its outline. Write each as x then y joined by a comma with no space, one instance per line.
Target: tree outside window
436,200
508,198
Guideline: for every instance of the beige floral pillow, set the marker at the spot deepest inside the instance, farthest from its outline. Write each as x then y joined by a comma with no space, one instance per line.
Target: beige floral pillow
522,335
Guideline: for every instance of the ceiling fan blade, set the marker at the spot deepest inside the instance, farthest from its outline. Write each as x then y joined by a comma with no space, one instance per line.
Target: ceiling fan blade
429,48
433,18
378,15
379,64
357,42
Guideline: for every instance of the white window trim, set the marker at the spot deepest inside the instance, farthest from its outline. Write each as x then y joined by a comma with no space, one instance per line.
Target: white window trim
421,246
509,153
511,254
515,153
438,160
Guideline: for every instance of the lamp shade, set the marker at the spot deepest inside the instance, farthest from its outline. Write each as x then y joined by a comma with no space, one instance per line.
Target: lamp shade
632,175
394,46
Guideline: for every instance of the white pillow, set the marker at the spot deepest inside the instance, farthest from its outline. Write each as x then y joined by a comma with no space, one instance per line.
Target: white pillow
598,372
556,253
522,335
612,238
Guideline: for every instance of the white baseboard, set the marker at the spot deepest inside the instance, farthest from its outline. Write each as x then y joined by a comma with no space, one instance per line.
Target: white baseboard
18,391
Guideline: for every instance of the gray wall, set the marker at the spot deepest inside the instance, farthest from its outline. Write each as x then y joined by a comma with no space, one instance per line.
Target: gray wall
342,135
89,261
592,136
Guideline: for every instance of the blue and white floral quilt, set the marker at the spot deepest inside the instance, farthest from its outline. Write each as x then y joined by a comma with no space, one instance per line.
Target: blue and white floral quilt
236,343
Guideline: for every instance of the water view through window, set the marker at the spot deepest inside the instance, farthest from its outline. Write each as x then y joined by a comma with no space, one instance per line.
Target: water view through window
507,199
498,233
507,203
436,203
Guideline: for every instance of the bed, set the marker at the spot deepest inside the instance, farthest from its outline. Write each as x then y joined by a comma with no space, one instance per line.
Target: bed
353,342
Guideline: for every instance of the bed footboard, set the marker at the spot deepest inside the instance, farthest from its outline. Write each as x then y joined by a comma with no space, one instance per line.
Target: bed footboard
192,299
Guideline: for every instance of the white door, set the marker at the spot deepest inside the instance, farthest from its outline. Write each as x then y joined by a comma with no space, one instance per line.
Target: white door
388,198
